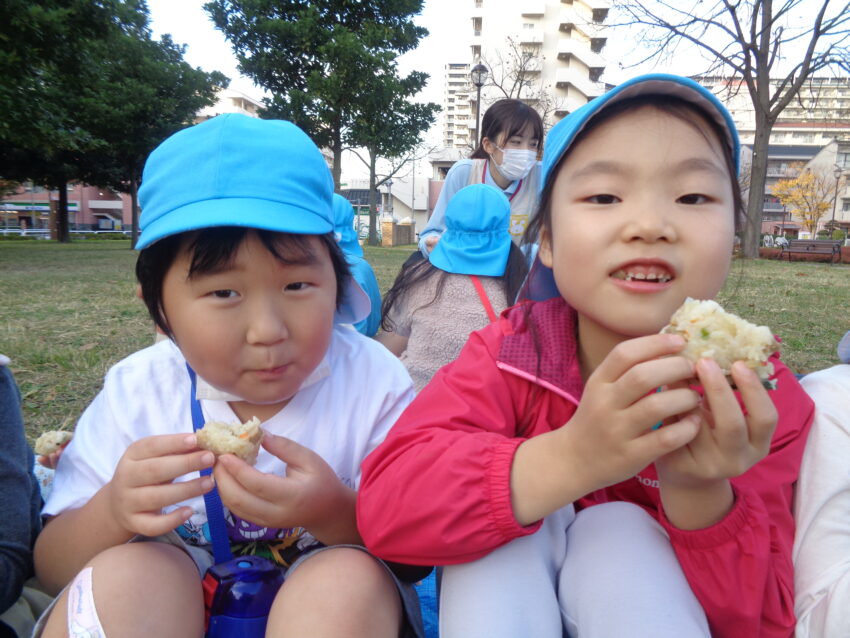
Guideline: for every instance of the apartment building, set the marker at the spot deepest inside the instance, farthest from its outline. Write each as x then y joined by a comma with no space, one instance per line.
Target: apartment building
545,52
818,115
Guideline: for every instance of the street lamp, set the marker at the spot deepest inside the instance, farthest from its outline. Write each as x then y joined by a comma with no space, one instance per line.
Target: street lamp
837,172
479,76
389,184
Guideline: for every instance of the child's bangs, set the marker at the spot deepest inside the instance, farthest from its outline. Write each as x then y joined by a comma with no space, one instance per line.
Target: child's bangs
214,249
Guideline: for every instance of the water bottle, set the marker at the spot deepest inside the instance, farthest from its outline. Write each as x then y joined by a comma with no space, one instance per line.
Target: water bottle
238,595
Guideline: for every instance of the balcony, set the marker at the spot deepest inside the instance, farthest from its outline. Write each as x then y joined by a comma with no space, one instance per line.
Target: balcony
530,36
533,8
566,78
571,19
569,47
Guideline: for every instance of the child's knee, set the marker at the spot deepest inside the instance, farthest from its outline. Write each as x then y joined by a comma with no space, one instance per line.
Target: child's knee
344,569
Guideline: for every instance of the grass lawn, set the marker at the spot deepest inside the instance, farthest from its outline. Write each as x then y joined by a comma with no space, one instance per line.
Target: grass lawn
68,312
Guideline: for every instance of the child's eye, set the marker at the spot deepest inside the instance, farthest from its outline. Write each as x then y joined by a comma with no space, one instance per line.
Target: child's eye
693,198
603,199
225,293
298,285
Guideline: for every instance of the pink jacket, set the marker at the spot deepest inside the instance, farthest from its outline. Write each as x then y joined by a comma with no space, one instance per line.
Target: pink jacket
437,490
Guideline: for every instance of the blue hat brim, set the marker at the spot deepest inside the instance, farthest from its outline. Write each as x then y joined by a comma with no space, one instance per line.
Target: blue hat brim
564,133
260,215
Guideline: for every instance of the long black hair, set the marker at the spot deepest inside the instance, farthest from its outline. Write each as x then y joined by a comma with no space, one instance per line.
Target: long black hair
418,269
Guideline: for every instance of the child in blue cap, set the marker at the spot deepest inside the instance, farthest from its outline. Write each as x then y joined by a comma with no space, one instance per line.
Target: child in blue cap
471,275
534,466
240,269
360,269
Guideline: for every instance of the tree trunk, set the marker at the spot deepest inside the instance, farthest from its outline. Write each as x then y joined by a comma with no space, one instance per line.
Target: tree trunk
755,202
337,153
63,236
373,195
134,212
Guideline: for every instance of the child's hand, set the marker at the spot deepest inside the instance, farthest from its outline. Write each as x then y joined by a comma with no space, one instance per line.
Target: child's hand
729,442
310,495
51,460
610,438
143,483
612,426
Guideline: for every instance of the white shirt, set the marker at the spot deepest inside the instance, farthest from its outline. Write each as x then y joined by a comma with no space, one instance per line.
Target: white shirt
822,511
343,410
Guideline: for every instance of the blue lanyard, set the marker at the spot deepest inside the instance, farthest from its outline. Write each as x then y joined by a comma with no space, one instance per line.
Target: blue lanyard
212,501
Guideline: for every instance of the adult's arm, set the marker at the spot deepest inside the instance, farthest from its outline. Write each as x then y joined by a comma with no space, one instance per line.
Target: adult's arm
456,178
822,511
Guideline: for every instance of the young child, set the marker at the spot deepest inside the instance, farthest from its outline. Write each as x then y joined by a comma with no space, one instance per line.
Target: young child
360,269
506,158
471,276
682,529
822,507
239,267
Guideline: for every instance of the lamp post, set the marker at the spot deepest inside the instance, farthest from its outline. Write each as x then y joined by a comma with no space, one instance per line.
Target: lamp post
389,184
837,172
479,76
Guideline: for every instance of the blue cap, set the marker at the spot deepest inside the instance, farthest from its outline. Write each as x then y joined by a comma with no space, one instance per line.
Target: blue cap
346,236
540,283
476,240
564,132
235,170
844,348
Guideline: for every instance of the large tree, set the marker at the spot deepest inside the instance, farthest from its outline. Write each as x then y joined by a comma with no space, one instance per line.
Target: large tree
93,114
808,196
389,126
769,49
317,59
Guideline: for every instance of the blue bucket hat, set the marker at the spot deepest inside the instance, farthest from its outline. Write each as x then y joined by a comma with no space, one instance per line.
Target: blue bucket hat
344,226
235,170
476,240
540,283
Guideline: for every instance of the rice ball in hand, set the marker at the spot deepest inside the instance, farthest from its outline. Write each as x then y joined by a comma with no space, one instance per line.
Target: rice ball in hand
51,441
239,439
712,333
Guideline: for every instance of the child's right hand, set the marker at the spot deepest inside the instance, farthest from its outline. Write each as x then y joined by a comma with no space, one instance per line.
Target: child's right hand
143,483
612,428
610,438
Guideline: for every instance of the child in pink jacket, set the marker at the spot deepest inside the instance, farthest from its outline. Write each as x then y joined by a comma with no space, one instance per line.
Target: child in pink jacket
680,530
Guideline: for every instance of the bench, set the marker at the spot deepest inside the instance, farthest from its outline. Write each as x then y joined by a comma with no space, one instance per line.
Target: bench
830,247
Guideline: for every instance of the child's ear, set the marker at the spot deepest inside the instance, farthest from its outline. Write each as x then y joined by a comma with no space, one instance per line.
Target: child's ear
545,250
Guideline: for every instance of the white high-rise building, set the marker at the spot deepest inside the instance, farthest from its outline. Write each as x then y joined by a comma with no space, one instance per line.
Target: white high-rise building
545,52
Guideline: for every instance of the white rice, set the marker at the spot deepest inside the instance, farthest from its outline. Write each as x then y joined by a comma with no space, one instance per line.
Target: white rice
241,439
713,333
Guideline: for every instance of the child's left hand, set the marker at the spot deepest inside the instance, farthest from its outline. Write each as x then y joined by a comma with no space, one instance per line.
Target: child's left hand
310,495
694,482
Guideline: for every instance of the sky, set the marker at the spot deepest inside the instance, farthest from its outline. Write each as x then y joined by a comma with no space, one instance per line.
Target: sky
189,24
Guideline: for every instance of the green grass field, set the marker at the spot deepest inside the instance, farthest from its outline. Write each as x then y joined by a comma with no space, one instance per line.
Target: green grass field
68,312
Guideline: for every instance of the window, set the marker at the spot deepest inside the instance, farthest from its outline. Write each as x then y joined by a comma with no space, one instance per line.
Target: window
843,159
527,25
845,205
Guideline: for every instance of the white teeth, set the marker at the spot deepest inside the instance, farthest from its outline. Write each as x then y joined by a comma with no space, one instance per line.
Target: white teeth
647,276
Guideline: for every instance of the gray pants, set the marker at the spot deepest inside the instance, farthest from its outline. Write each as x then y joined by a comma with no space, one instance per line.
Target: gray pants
610,571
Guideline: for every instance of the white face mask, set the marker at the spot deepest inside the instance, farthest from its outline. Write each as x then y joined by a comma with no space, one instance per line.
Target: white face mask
516,163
